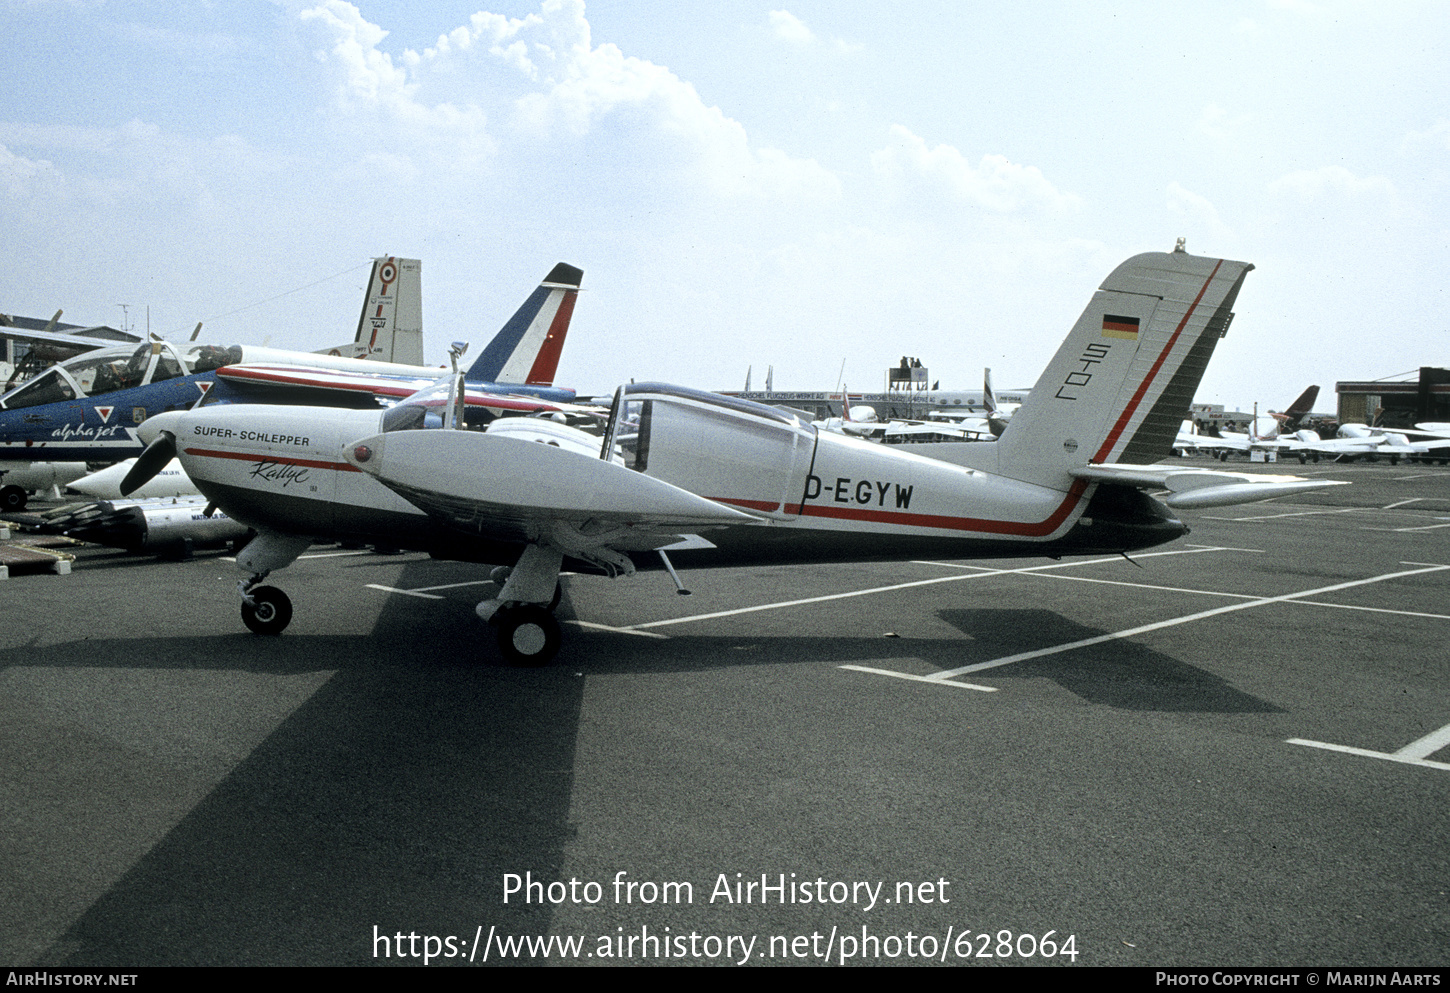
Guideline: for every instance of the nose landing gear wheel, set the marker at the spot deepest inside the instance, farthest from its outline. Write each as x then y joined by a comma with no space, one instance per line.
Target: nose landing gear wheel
269,612
527,634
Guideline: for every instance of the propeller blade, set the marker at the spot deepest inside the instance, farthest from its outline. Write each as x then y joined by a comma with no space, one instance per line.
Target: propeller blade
152,461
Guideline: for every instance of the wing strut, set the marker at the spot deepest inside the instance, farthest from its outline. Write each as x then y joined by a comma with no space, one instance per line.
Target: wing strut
670,568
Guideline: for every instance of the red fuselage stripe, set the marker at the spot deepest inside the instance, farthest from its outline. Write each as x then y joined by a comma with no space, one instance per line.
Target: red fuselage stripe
769,506
940,521
213,453
1132,407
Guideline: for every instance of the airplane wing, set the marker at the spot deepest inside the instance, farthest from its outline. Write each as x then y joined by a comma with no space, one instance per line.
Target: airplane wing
512,489
1196,488
381,385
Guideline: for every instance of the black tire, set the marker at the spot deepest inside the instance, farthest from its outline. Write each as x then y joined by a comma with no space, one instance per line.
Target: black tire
13,498
269,612
527,635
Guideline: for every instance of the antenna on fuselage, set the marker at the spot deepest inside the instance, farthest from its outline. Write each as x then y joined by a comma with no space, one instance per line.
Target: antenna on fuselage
456,390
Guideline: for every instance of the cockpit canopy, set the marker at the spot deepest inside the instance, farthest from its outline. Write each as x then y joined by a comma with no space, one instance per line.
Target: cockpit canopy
738,452
427,409
123,367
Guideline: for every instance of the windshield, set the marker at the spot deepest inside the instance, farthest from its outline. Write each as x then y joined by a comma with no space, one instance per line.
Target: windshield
425,409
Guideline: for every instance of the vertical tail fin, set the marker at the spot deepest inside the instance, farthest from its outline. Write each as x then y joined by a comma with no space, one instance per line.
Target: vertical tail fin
526,350
391,326
1122,382
1299,408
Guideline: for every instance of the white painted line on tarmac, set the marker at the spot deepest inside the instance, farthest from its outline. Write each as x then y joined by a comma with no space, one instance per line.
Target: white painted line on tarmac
1415,753
1375,610
1423,748
1427,527
919,679
1241,596
451,586
906,586
1174,622
390,589
1145,586
1273,517
1392,506
605,627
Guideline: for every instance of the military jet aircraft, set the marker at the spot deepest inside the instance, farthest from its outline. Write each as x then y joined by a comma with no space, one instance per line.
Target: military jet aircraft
87,409
716,479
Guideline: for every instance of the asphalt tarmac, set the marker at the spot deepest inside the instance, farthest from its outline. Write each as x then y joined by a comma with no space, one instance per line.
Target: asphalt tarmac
1233,750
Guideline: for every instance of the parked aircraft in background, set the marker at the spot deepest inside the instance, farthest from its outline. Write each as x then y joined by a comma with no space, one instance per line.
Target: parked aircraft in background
1269,432
1358,441
28,346
87,408
720,480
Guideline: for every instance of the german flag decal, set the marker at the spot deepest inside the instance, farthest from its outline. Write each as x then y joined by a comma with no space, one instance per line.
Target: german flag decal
1120,327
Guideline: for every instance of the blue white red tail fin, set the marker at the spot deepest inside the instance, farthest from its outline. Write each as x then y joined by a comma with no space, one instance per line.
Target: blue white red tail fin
526,350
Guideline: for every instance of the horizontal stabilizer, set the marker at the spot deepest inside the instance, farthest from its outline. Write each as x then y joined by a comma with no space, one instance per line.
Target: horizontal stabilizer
1190,489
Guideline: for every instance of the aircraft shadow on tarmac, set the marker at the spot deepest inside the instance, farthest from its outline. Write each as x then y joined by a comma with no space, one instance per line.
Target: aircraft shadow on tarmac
1120,673
401,791
397,794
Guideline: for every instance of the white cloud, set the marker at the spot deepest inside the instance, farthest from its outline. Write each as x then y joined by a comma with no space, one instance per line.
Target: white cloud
370,76
793,31
371,82
1438,134
18,175
789,28
1196,209
1334,182
1215,122
559,79
995,183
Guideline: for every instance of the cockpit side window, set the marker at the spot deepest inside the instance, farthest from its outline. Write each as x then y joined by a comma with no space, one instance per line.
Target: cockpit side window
48,387
423,410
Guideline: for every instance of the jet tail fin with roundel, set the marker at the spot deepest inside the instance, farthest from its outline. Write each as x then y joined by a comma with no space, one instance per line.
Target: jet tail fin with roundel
390,328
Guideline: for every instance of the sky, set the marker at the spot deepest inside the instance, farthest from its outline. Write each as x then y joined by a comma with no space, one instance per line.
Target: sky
820,188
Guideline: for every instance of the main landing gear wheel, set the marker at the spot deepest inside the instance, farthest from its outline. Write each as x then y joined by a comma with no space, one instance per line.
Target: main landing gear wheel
269,612
527,634
13,498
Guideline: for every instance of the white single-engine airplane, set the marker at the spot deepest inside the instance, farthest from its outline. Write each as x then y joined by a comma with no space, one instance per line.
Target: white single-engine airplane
716,479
